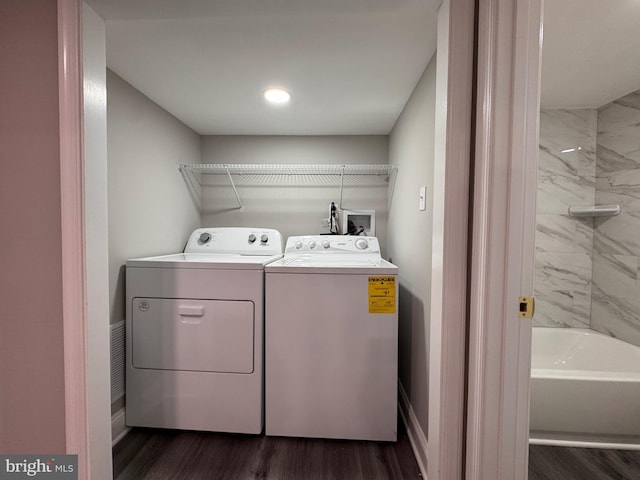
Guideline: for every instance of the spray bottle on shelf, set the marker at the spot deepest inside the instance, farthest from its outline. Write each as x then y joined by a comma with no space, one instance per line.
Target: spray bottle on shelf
333,220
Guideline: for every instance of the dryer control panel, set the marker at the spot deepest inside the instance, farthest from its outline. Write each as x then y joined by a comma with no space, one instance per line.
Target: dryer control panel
334,244
235,240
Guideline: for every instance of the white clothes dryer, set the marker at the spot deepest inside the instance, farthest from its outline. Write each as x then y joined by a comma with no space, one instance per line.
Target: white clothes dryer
194,328
331,336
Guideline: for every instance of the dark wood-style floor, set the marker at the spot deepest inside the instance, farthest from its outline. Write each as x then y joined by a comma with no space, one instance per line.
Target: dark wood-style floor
562,463
174,455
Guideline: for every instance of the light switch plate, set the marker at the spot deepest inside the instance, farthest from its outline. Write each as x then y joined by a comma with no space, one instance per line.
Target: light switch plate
422,195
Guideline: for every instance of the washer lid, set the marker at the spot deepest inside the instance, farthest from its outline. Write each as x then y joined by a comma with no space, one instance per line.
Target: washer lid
342,264
205,260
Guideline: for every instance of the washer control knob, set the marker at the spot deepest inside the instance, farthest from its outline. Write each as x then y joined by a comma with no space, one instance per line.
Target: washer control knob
264,238
252,238
362,244
298,244
204,237
326,244
312,244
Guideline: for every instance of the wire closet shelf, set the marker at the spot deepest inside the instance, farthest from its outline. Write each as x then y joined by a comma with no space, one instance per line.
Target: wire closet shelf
341,171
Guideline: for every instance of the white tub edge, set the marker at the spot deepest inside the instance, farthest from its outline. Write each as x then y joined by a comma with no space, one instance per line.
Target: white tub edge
583,375
551,442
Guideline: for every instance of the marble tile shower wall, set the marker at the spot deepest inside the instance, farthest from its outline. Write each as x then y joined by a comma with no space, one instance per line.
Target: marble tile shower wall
588,270
564,245
616,258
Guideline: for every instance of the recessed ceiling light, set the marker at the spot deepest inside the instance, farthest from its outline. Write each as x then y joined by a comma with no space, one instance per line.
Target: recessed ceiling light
277,95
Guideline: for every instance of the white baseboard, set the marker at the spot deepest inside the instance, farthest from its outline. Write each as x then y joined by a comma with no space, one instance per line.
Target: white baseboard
416,436
118,427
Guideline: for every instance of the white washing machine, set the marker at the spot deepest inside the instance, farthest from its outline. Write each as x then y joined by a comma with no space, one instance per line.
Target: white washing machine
331,336
195,323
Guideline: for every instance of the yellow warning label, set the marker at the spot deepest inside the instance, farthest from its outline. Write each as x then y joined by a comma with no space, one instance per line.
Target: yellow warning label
382,294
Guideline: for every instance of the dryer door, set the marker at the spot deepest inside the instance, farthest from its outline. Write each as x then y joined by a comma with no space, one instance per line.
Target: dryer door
194,335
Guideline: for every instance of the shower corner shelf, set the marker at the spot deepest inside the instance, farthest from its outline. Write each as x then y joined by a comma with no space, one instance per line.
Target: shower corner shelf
594,210
292,169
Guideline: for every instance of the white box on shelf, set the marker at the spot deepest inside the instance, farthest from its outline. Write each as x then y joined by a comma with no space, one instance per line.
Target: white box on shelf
363,220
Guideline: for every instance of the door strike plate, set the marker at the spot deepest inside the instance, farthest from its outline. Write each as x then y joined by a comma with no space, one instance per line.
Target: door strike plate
526,307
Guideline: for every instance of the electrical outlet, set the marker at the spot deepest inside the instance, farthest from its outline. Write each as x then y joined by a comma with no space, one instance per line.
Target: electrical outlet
422,196
325,222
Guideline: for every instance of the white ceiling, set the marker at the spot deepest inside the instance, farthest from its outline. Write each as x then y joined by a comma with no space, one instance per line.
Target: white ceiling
350,65
590,53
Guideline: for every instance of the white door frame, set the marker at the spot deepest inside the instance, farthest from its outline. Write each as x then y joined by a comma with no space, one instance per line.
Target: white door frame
448,326
503,244
74,296
84,248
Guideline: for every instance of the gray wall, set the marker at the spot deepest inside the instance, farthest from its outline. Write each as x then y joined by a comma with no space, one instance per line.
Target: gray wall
151,211
32,394
294,205
411,147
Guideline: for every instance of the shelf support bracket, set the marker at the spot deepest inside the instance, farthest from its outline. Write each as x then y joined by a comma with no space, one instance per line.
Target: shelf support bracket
391,182
341,185
233,185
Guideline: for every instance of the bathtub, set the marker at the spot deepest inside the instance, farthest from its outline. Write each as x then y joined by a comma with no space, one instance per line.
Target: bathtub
585,389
